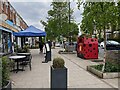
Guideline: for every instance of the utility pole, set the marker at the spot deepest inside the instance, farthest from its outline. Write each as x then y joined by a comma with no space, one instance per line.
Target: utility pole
69,11
69,21
104,29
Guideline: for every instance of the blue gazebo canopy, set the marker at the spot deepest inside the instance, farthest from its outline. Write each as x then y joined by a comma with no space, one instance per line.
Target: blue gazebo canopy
31,31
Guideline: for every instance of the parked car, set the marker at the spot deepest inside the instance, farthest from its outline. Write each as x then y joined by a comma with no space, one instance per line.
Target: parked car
110,45
57,44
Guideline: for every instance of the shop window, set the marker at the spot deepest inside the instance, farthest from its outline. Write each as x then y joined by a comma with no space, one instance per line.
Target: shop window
6,42
6,8
2,5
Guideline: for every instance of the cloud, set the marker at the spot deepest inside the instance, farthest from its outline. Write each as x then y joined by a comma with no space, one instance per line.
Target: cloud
77,13
33,12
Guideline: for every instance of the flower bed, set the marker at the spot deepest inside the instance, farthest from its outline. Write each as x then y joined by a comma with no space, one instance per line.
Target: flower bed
109,67
111,70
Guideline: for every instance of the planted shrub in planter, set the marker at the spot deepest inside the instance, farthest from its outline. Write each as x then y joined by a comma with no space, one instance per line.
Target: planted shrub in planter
6,83
109,67
111,70
25,49
58,74
16,48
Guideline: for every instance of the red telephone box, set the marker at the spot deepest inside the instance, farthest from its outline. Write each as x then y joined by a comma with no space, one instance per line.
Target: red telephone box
87,48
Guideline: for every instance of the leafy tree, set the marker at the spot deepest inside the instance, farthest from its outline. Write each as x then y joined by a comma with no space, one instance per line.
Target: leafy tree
99,16
58,21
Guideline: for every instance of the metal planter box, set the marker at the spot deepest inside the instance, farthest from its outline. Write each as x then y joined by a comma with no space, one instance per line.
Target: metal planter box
70,48
59,78
8,86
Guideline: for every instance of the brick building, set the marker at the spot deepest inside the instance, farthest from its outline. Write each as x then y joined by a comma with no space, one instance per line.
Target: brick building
13,23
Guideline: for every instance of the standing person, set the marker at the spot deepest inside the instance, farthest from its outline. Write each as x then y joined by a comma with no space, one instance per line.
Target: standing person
47,51
41,46
44,49
54,43
50,44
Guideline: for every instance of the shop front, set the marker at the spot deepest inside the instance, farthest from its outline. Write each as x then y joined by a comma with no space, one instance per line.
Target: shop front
6,40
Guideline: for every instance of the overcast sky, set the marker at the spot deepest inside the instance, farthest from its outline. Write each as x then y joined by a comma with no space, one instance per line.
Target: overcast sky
33,12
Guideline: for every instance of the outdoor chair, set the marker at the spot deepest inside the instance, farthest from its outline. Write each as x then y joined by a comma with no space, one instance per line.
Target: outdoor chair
13,63
27,61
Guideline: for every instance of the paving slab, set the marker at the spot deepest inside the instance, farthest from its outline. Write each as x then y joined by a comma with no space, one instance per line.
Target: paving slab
89,80
39,76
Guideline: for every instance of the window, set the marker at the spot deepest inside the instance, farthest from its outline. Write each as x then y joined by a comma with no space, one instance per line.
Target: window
6,42
1,5
6,7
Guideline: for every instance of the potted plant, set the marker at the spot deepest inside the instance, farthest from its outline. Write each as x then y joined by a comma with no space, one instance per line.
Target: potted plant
5,67
25,49
16,48
58,74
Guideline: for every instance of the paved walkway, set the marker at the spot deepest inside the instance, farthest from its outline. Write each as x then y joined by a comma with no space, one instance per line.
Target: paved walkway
78,77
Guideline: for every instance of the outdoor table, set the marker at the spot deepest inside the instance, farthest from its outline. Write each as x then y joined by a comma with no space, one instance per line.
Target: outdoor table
17,59
2,54
26,54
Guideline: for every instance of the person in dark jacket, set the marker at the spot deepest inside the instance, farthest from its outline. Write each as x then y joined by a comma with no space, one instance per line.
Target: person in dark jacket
50,43
41,46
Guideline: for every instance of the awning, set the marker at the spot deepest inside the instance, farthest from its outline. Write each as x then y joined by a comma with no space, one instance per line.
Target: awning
31,31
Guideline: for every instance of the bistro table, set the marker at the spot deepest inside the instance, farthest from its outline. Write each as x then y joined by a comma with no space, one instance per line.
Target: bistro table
26,54
2,54
17,59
